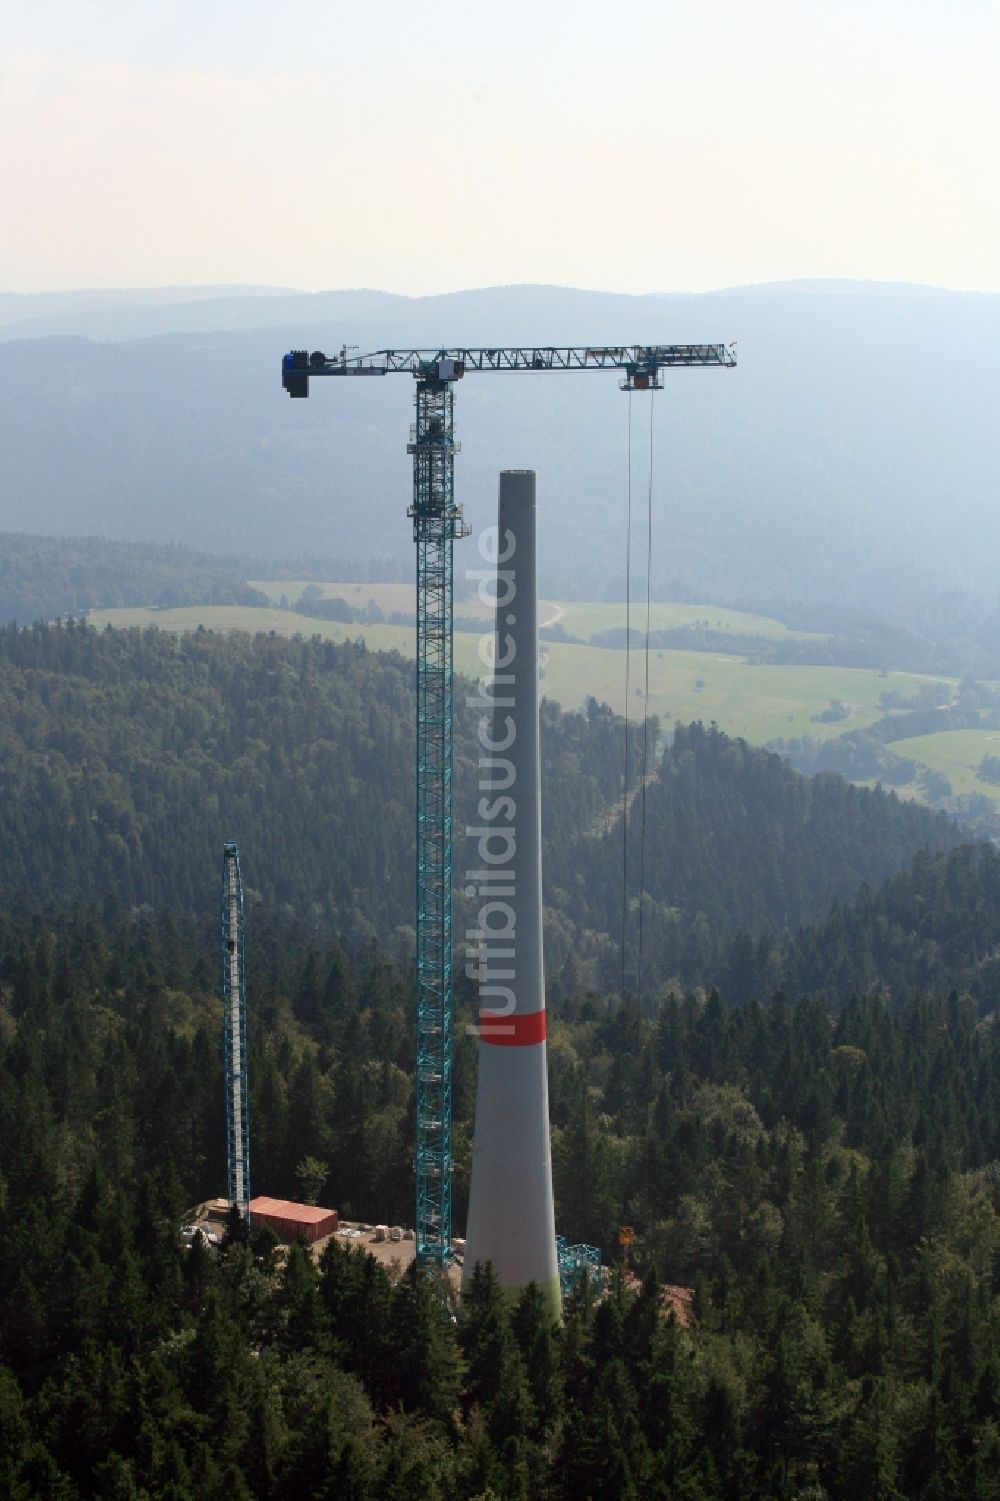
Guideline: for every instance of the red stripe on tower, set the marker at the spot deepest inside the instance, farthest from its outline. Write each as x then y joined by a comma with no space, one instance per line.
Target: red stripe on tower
517,1031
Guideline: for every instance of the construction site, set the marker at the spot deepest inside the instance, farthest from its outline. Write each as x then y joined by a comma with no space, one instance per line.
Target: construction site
511,1217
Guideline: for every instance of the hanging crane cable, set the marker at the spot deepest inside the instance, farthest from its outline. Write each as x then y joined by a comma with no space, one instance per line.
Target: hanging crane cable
628,666
645,708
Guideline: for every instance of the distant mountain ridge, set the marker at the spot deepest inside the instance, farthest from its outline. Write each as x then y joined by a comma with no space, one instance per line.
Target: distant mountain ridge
836,466
19,309
141,312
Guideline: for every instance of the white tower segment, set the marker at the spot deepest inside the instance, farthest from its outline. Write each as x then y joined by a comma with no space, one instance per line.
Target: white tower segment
234,1015
511,1216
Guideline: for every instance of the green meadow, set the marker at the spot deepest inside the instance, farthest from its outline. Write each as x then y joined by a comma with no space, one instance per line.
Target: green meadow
253,618
579,618
585,620
956,753
760,703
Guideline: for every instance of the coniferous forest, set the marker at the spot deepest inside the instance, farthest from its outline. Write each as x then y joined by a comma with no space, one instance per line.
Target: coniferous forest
799,1115
128,757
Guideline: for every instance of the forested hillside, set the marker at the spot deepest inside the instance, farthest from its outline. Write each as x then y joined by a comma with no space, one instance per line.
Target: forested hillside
127,758
736,841
933,927
818,1176
45,577
827,1187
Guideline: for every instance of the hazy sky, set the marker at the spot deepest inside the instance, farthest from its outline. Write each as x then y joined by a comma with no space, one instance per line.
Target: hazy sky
636,146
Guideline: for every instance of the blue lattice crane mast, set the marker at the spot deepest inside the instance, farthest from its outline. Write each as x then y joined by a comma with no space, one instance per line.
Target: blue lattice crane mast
437,523
234,1026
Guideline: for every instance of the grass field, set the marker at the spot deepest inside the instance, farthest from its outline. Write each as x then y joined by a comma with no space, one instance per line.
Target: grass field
956,753
579,618
585,620
253,618
760,703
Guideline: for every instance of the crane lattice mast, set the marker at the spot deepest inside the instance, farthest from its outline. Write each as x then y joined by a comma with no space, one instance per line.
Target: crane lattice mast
234,1013
437,523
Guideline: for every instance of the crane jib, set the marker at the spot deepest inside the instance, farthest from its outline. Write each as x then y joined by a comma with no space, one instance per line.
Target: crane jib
640,363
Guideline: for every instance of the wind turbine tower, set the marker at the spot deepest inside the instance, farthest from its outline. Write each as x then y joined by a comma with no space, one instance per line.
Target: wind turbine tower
234,1023
511,1215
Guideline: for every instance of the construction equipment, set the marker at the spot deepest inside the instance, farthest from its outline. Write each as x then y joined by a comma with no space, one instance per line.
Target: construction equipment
438,523
576,1263
234,1014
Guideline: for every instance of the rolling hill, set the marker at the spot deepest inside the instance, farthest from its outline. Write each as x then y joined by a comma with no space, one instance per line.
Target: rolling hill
832,468
128,757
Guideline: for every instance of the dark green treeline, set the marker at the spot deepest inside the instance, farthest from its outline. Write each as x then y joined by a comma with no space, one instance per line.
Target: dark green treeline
828,1184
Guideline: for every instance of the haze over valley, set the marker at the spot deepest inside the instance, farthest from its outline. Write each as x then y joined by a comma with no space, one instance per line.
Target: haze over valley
848,468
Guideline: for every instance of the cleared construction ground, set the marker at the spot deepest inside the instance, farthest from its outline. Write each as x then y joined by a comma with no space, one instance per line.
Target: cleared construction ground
395,1255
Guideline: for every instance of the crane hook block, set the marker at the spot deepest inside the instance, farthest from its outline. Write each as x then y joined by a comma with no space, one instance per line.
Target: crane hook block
295,372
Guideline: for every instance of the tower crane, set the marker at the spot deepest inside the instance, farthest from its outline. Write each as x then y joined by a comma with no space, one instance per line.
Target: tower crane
438,522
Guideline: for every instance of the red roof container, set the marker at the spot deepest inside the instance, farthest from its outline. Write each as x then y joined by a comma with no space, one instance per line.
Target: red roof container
291,1221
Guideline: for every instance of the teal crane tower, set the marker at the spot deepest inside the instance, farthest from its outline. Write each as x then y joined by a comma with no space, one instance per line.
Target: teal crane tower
438,523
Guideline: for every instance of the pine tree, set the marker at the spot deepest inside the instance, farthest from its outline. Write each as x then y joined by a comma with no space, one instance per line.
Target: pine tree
423,1362
535,1336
